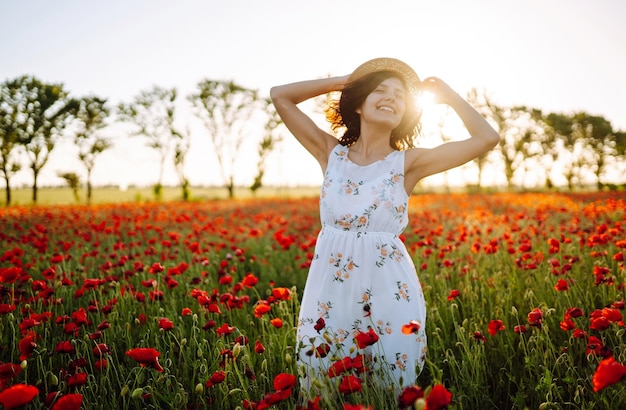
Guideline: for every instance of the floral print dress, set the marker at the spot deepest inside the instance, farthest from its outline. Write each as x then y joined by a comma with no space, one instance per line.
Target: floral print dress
362,297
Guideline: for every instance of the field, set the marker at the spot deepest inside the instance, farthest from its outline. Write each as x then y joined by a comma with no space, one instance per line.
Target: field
193,304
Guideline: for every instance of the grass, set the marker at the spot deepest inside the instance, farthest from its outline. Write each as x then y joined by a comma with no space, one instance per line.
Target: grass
65,196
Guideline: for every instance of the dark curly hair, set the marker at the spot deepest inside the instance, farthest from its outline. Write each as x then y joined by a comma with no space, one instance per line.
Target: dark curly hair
342,113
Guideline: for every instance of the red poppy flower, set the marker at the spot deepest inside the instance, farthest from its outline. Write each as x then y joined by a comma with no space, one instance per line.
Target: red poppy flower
27,346
561,285
495,326
72,401
613,315
101,364
350,384
520,329
166,324
364,339
261,308
594,346
9,370
412,327
599,323
535,317
454,294
157,295
80,317
150,283
340,366
156,268
573,312
258,347
608,372
409,396
28,323
77,379
65,346
438,398
10,275
18,395
284,381
250,280
6,308
322,350
216,378
101,349
146,357
567,325
225,329
277,322
479,336
281,293
215,308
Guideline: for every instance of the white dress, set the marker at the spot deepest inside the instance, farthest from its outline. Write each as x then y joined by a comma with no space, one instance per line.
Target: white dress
362,278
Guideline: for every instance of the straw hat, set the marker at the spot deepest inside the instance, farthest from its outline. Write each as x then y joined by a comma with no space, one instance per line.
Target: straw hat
388,64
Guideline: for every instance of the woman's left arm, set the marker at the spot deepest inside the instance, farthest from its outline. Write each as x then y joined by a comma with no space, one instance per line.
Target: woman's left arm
424,162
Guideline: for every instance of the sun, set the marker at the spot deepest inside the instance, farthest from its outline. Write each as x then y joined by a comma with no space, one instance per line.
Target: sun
425,100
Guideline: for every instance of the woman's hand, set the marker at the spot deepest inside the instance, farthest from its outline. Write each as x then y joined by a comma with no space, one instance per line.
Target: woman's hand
441,91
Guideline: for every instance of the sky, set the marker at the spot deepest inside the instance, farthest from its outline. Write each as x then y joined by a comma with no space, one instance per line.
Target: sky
555,55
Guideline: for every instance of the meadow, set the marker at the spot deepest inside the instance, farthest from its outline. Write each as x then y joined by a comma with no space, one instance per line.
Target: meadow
192,305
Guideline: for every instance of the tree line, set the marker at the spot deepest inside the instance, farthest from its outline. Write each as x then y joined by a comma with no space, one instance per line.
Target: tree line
35,116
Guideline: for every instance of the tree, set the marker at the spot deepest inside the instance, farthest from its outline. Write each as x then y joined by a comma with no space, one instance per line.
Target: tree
268,143
228,112
565,144
554,126
153,113
40,113
518,136
90,116
598,134
9,139
73,181
181,148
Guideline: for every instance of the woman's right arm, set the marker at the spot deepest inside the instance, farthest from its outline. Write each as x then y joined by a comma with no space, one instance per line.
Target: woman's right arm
286,99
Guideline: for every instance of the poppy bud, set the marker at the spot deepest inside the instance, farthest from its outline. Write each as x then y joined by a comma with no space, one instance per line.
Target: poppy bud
199,388
236,349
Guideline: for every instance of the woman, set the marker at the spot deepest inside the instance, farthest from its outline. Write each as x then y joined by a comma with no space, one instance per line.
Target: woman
363,299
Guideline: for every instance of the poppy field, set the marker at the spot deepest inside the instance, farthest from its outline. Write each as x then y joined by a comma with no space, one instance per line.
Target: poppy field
192,305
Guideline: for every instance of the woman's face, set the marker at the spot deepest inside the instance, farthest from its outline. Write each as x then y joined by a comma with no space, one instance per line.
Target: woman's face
386,104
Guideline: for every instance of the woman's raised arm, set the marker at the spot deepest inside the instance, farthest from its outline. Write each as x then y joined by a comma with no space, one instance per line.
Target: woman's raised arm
286,99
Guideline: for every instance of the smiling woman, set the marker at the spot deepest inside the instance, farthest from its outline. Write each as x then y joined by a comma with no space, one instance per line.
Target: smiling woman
362,291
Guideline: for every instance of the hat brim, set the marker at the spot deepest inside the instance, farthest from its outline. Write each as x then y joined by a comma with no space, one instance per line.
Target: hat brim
409,75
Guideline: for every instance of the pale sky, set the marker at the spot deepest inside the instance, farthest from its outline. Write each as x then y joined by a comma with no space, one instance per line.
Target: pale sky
556,55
